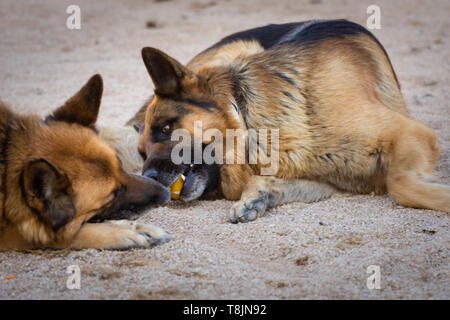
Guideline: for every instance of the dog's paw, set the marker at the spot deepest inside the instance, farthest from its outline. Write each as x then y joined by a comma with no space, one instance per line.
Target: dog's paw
135,235
250,208
157,235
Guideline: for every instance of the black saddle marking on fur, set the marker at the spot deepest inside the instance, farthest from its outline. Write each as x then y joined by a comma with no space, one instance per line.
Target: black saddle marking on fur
311,32
306,32
316,30
267,35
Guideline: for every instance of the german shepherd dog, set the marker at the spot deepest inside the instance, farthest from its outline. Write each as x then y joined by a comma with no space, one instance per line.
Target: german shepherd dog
56,176
330,89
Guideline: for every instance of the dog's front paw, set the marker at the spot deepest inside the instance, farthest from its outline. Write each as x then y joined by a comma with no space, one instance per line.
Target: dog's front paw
156,235
118,235
141,235
249,208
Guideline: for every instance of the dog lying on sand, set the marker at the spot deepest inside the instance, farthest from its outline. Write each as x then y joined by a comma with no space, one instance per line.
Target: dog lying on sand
329,89
57,175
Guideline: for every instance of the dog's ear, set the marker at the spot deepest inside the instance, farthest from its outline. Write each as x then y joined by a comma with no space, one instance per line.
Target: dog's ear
47,192
168,75
84,106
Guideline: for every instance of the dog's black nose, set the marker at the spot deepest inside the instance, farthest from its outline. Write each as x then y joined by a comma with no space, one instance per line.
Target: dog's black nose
150,173
163,197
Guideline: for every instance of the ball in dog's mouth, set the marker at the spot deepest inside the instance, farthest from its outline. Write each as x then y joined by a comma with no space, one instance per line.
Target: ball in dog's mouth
185,182
176,186
190,184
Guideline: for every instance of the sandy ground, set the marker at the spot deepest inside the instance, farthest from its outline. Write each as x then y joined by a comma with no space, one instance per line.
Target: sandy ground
296,251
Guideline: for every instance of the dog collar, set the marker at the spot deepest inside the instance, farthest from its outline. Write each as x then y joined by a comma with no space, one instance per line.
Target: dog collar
238,114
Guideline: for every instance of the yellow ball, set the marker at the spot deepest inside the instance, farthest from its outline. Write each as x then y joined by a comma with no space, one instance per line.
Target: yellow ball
175,187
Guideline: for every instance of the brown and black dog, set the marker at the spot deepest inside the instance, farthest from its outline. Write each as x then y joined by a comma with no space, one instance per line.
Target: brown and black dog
330,89
56,175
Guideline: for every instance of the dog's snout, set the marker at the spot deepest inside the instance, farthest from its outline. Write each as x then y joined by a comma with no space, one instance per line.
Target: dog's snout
154,191
163,197
143,191
163,170
150,173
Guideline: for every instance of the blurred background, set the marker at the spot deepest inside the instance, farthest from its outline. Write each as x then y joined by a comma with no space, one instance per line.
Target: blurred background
42,61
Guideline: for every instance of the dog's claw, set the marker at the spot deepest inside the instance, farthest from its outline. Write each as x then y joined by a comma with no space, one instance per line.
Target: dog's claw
250,208
245,211
142,235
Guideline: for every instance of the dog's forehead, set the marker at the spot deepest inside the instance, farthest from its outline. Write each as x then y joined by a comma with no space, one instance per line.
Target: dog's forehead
96,149
162,109
70,144
167,108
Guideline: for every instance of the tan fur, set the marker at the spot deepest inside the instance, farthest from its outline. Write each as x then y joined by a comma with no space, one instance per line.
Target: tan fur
224,55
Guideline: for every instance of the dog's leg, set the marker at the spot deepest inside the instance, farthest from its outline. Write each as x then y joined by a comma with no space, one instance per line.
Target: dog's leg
409,180
263,192
121,234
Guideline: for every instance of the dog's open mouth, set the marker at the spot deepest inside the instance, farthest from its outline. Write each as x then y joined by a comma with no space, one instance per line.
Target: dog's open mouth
194,184
187,171
193,180
199,178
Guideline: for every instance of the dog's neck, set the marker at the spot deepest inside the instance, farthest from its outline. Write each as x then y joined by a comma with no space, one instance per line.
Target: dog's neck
226,82
236,110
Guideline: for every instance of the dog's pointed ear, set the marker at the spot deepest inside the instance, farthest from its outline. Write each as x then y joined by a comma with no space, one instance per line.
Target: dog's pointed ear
84,106
167,74
47,192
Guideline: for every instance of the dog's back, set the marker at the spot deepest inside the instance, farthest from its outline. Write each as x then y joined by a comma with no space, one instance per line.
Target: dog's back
303,35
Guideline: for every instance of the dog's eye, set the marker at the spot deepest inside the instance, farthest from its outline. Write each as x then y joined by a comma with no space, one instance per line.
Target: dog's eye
165,129
143,155
114,194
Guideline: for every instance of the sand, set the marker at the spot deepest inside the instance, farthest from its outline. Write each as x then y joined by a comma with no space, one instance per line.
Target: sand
297,251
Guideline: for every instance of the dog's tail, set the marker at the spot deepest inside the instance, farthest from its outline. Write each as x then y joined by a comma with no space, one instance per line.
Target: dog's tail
410,181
